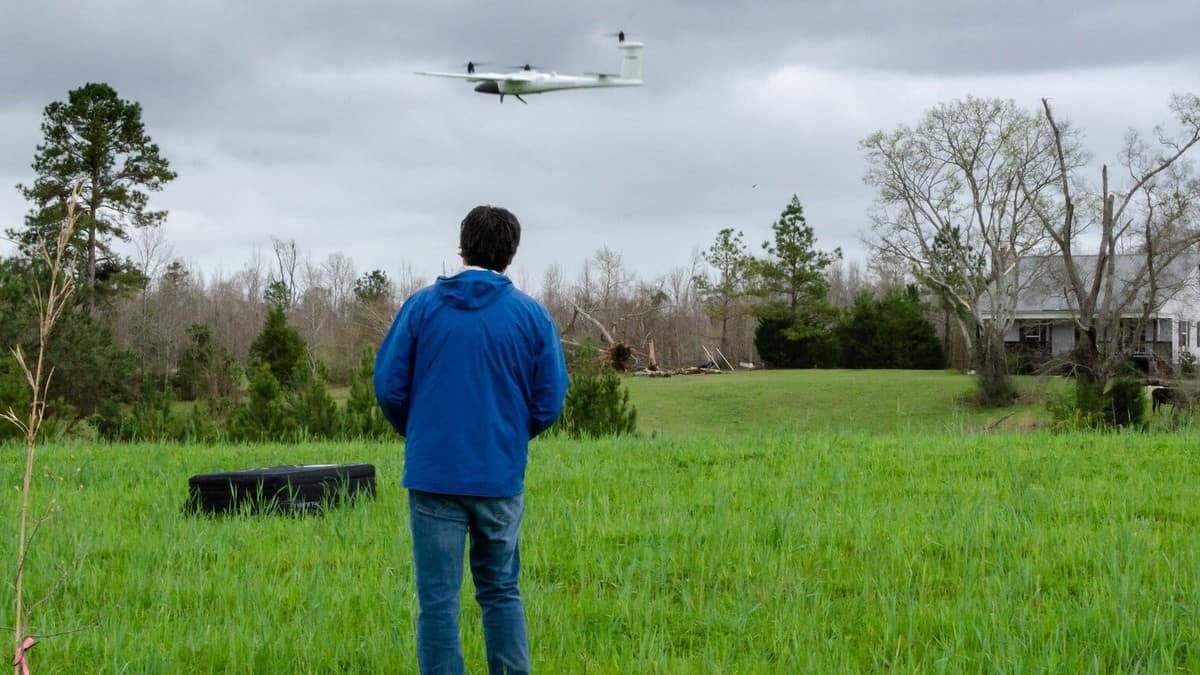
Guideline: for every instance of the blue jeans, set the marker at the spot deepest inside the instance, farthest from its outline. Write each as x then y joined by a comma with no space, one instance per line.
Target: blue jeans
440,524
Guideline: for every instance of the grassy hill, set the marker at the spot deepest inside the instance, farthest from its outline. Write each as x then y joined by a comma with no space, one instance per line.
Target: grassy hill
876,401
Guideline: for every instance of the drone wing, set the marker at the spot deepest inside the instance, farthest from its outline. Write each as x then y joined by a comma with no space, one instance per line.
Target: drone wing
481,77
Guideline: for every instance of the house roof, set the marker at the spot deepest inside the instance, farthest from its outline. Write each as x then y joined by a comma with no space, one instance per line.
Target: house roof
1048,288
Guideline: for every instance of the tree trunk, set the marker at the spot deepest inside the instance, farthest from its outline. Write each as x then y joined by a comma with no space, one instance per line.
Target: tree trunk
1089,373
995,384
91,265
93,208
946,336
724,333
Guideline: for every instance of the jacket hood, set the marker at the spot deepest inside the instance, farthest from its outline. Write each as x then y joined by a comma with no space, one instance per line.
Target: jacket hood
472,289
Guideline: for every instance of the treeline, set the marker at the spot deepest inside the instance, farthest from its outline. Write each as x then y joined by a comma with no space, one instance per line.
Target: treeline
259,350
798,322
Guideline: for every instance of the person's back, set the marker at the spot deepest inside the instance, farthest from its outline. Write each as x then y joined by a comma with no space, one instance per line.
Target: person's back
470,371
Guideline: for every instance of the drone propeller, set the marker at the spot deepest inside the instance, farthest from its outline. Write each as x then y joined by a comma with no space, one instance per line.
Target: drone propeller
472,65
620,35
525,66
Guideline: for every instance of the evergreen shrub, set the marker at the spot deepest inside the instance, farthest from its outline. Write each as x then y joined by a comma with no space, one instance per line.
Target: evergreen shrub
597,402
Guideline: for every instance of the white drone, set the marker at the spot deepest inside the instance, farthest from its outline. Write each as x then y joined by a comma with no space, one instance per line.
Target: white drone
530,80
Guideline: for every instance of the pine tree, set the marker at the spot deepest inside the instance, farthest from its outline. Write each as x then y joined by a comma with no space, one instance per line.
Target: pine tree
793,272
724,298
97,140
311,405
597,402
362,417
796,322
265,417
279,346
205,369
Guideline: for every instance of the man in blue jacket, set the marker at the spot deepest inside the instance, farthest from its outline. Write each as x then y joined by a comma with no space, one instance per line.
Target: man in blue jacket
471,370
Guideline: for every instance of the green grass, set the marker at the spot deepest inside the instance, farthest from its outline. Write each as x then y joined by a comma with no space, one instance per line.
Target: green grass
777,552
876,401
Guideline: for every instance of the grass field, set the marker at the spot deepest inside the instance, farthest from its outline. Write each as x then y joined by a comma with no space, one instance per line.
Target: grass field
804,521
776,552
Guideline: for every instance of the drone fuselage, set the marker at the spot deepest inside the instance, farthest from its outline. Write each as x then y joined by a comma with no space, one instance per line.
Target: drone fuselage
537,82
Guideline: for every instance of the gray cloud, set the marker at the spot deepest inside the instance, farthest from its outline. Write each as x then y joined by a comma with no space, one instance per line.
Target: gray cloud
303,119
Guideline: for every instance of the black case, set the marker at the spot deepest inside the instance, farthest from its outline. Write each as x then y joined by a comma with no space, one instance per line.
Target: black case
296,488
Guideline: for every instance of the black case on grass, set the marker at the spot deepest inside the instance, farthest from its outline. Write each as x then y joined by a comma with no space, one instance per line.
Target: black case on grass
294,488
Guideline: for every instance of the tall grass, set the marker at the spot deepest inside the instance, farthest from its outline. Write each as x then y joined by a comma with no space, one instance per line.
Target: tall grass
832,552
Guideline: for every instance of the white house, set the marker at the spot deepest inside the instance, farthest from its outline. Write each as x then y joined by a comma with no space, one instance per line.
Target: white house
1044,326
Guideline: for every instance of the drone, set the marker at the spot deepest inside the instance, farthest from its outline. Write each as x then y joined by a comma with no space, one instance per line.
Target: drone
529,79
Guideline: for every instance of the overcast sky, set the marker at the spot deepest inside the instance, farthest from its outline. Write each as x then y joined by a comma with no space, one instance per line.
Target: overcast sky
303,119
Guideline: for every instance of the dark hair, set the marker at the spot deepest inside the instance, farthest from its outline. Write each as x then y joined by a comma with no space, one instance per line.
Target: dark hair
489,237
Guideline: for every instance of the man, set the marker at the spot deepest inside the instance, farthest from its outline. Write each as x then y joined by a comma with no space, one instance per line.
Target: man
471,370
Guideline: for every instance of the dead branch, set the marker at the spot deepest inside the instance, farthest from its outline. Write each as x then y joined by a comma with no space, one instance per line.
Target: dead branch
691,370
718,350
992,427
570,324
603,331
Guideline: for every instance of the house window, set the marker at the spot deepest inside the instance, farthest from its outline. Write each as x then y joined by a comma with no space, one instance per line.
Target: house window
1035,333
1185,330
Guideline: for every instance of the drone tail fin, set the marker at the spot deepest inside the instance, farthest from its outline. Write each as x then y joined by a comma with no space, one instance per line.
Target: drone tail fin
631,60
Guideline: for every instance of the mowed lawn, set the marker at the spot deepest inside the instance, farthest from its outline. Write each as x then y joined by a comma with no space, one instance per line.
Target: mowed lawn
776,552
928,401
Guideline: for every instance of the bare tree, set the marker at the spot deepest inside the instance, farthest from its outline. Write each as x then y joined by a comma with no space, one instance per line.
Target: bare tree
287,259
236,310
152,251
555,295
154,323
406,283
314,311
686,321
957,202
521,279
845,279
340,274
611,278
1154,219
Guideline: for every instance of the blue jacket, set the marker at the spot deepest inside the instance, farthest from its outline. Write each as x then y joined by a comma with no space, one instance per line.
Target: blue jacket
470,371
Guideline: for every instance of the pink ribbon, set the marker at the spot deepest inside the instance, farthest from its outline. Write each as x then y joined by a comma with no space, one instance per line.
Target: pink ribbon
25,646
